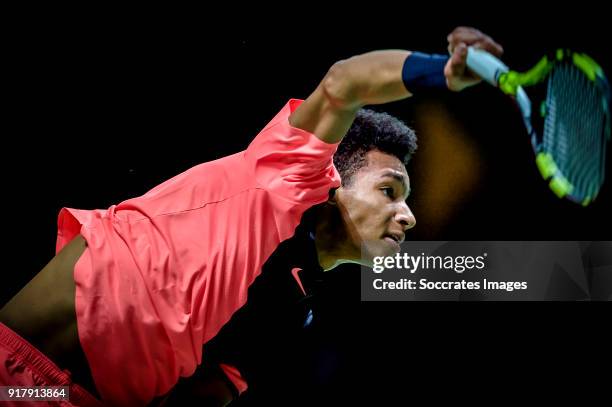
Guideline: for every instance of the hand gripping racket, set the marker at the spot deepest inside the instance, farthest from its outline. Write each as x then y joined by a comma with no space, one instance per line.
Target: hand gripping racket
566,114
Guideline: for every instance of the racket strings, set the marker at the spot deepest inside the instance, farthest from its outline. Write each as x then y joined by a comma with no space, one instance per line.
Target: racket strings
574,129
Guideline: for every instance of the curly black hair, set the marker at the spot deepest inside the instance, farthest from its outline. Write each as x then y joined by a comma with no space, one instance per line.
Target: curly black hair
373,131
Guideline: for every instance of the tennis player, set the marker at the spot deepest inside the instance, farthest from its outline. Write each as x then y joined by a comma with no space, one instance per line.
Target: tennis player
138,291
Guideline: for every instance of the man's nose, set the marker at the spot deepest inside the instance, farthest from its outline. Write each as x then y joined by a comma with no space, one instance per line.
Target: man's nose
405,217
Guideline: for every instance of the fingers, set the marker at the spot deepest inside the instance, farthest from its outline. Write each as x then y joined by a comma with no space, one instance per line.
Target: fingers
475,38
468,35
457,60
489,45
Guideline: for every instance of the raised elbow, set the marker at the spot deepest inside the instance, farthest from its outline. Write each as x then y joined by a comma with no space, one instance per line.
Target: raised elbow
338,87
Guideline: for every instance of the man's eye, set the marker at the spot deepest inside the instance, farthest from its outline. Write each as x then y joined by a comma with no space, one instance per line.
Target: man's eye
388,192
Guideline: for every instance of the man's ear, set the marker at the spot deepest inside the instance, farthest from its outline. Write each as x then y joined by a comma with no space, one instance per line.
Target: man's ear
332,197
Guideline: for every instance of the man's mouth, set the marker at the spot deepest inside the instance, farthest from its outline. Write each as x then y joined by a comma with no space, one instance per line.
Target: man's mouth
396,237
394,240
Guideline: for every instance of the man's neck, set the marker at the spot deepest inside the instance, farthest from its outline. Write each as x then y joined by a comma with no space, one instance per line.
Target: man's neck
331,239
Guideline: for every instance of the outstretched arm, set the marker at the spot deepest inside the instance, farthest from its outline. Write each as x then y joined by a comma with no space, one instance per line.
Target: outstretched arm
377,78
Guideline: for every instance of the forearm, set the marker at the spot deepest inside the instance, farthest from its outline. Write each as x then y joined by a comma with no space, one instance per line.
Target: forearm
374,78
371,78
384,76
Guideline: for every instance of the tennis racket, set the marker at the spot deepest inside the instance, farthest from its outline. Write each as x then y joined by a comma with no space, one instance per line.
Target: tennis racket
566,114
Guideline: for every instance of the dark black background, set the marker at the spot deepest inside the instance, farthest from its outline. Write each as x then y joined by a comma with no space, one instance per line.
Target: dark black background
102,106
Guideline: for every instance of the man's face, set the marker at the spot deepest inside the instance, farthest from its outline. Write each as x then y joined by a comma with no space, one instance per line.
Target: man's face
374,208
